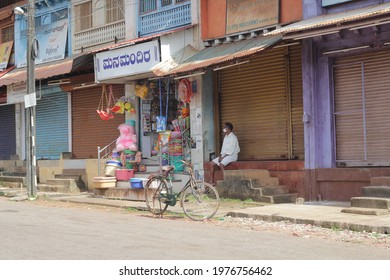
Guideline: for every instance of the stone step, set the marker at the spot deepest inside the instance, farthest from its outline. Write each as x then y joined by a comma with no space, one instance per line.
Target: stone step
57,188
73,185
122,193
274,190
281,198
376,191
12,181
370,202
75,171
265,182
365,211
246,174
380,181
68,176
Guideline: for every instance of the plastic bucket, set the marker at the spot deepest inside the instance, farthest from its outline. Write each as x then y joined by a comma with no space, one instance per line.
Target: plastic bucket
110,167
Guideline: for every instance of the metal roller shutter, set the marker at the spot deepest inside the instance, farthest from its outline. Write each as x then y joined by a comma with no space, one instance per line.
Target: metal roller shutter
52,130
7,132
362,98
88,130
295,64
257,98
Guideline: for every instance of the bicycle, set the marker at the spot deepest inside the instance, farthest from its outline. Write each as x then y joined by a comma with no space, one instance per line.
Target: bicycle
199,200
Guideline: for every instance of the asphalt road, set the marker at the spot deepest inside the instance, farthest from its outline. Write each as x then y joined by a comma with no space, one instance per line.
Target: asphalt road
30,231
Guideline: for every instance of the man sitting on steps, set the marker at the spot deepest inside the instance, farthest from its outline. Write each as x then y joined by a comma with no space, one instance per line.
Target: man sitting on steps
229,151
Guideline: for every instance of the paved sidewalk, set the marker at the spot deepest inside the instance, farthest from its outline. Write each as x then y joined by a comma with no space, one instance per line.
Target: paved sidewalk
324,214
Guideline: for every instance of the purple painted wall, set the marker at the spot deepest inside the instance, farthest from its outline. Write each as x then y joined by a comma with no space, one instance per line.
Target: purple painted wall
318,88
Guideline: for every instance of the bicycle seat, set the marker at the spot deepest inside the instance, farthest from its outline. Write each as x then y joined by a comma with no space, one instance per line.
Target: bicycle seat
168,168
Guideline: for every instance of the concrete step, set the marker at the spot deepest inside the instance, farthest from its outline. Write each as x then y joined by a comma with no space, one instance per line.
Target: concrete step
246,174
274,190
265,182
73,185
376,191
365,211
281,198
68,176
57,188
75,171
122,193
12,181
371,202
380,181
245,190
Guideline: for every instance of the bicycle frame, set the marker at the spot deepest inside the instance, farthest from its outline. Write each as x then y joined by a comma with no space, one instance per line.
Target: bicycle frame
198,199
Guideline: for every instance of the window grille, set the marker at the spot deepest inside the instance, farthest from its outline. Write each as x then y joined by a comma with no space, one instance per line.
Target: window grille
166,2
147,6
83,16
7,34
114,10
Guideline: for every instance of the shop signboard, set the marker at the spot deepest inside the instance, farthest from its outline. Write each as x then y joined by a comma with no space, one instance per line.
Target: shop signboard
5,53
326,3
127,61
246,15
16,93
51,43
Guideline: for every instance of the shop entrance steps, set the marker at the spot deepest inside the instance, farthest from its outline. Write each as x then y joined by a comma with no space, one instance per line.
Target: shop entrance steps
375,199
123,189
13,177
254,184
69,181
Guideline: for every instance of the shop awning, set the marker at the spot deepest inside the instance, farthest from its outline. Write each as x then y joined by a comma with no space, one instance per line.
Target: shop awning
2,73
47,70
332,23
213,56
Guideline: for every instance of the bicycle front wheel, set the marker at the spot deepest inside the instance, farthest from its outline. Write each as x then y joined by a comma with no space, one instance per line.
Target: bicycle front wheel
200,202
156,191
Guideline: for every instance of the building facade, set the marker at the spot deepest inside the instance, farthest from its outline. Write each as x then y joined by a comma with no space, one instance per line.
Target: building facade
344,50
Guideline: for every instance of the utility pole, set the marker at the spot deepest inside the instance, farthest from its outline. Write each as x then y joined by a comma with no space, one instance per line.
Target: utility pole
30,109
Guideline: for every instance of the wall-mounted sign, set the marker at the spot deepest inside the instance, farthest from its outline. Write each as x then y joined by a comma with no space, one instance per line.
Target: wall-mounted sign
245,15
333,2
16,93
51,45
128,61
5,53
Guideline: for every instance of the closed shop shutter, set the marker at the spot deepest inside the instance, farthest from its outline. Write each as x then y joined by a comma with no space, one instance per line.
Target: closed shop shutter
52,130
295,62
362,98
260,101
88,130
7,132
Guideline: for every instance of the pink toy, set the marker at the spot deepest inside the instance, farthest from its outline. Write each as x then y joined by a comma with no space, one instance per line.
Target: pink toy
127,139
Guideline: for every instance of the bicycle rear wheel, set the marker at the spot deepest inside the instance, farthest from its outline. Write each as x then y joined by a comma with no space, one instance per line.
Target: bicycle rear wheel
200,202
156,191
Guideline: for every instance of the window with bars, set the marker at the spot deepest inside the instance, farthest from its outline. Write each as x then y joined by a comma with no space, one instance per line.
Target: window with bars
166,2
147,6
7,34
83,16
114,10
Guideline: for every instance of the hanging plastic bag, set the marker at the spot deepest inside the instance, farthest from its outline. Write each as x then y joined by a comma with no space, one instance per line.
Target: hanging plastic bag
161,121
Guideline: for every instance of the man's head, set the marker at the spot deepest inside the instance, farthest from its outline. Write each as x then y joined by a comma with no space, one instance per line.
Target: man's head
228,127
